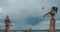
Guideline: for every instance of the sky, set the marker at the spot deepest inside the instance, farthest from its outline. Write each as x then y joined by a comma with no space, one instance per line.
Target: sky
26,14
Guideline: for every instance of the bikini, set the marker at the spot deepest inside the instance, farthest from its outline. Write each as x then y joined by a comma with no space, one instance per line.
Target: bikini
52,14
7,21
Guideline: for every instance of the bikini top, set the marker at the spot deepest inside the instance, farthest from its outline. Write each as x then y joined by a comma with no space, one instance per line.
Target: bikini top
52,14
7,20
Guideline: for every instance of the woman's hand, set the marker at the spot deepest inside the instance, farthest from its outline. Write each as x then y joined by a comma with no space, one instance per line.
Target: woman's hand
46,14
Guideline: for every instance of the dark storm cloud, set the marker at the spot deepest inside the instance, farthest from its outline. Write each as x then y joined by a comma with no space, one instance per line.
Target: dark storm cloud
33,20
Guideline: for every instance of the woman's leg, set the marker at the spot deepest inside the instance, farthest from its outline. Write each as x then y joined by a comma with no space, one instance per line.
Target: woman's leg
54,26
7,29
51,26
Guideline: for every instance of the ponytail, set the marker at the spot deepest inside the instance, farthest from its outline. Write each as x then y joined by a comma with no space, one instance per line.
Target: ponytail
55,8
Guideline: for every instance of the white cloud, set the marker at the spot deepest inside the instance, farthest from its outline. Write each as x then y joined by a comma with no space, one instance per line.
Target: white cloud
47,22
57,21
12,1
57,27
46,0
0,10
44,25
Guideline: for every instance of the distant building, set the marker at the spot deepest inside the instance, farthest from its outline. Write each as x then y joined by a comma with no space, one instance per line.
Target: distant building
30,30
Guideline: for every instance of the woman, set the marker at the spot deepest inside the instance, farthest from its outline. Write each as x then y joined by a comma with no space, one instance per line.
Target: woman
52,21
7,24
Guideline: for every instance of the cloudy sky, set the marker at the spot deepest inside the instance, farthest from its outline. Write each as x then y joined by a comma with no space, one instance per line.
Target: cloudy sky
25,14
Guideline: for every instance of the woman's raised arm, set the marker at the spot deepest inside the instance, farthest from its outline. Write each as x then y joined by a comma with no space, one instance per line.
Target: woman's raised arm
46,14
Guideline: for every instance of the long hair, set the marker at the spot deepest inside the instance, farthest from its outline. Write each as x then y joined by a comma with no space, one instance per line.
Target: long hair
55,8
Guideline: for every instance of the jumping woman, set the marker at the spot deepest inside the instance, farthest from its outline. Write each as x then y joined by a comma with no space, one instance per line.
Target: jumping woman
52,21
7,24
